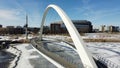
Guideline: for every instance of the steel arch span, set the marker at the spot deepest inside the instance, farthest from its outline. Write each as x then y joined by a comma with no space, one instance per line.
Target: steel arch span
85,56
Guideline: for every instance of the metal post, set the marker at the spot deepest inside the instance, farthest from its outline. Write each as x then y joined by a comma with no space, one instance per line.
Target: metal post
26,27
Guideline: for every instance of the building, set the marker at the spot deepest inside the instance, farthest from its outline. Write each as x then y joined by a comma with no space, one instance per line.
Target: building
55,28
0,26
113,28
33,30
10,29
96,30
15,30
83,26
19,30
103,29
3,31
110,28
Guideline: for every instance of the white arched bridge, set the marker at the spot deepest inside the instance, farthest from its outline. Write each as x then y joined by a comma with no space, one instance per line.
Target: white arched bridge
79,44
87,60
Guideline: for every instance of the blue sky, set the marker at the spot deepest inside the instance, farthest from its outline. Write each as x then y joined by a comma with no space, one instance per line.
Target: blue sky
99,12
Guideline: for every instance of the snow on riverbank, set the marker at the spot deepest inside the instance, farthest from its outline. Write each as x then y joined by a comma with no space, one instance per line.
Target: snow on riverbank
101,36
88,36
29,58
20,61
23,62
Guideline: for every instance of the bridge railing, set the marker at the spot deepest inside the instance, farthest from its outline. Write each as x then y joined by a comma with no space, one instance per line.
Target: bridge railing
53,56
107,62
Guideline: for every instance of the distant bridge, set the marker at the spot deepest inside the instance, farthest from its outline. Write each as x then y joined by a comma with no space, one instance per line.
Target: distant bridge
85,56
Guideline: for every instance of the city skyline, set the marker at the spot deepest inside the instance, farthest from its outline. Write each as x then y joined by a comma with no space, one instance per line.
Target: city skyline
13,12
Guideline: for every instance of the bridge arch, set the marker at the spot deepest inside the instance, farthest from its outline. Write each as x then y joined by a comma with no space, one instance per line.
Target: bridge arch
85,56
